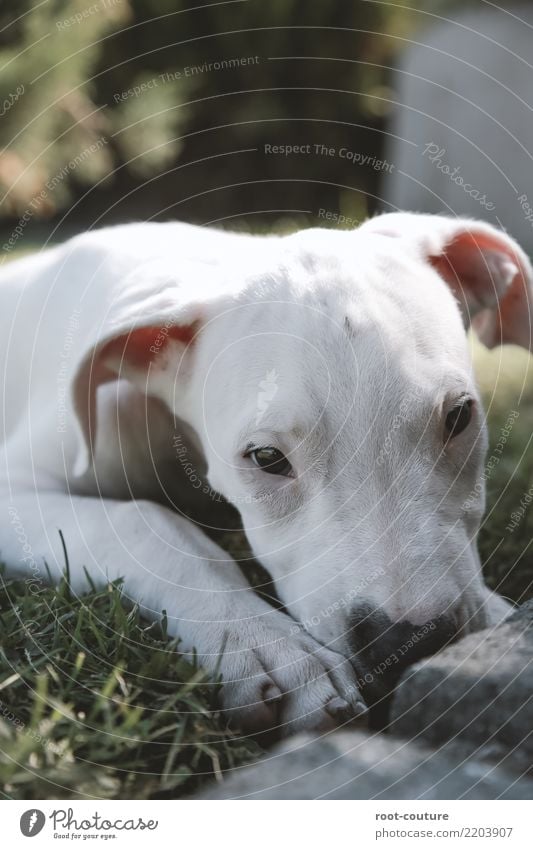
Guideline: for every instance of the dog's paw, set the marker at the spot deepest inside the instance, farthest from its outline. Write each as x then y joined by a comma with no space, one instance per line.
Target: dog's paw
275,680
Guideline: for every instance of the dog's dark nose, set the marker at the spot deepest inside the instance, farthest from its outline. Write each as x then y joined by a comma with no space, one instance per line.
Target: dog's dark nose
383,649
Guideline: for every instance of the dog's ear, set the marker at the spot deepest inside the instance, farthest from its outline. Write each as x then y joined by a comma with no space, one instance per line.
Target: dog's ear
152,321
487,271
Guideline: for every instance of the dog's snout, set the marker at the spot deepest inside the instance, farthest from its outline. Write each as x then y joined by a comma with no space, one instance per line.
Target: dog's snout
383,649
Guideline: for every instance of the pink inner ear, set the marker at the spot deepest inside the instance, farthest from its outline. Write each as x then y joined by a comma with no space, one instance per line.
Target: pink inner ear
140,347
478,268
490,282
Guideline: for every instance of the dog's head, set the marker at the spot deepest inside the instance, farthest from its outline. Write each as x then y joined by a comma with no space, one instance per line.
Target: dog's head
332,393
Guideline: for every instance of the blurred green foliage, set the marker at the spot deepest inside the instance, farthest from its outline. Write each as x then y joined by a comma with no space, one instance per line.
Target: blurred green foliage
505,377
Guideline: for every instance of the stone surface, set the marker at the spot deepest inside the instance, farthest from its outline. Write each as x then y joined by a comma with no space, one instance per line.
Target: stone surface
478,693
359,765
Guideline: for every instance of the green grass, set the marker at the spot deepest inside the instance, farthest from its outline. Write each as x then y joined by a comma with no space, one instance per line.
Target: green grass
96,703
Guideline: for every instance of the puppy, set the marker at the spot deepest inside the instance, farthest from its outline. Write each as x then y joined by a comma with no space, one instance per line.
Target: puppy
320,383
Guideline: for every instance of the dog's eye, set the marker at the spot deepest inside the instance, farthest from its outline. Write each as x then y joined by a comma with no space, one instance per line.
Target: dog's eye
458,418
271,460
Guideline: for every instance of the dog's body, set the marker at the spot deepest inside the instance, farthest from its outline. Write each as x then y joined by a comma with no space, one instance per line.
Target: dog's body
309,379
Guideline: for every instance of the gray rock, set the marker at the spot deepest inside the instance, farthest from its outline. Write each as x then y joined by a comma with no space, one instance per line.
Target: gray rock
477,694
359,765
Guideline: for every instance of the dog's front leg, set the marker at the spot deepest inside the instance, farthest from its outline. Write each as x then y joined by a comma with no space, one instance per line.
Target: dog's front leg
274,674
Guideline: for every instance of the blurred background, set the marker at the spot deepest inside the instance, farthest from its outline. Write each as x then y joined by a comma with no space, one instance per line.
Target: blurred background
256,114
279,115
116,110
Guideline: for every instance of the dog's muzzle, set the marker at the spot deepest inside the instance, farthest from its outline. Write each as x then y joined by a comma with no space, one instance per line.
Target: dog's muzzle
382,649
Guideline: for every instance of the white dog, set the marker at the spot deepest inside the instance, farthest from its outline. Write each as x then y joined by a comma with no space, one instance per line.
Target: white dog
320,382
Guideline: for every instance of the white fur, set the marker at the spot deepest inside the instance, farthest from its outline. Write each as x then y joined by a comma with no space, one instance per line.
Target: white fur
340,349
